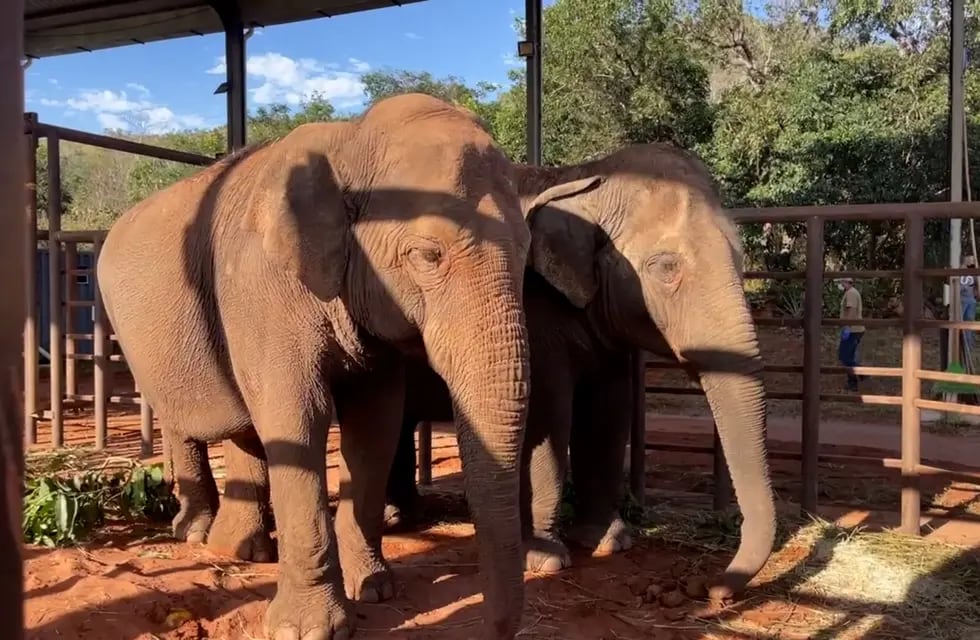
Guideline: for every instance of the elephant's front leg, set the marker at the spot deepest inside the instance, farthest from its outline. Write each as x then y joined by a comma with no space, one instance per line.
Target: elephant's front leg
369,409
543,468
310,603
196,490
600,431
243,523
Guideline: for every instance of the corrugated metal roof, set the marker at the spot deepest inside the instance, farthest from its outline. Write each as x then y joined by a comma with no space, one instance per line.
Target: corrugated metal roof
53,27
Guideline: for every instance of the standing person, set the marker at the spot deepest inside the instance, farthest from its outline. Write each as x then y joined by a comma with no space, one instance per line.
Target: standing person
13,174
851,308
968,300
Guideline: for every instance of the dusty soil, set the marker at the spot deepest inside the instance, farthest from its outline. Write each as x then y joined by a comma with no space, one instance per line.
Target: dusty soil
133,581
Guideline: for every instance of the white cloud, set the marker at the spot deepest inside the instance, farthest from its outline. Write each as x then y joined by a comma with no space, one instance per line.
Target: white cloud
291,80
411,35
138,87
511,60
359,65
116,110
53,81
48,102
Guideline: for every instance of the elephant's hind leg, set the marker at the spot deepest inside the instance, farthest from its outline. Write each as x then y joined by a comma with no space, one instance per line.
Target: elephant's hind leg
600,432
369,409
241,528
196,490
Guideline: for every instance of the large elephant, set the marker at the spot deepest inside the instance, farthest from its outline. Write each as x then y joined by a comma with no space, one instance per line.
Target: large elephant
243,295
630,250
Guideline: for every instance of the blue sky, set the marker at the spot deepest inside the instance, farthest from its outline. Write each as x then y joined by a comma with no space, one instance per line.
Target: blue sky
169,85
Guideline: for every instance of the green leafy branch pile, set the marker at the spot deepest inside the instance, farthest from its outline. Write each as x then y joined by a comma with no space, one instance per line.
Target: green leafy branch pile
69,493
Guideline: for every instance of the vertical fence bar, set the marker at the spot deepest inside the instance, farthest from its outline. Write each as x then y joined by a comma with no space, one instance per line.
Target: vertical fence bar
812,315
638,429
71,263
31,367
99,355
425,452
911,363
723,481
54,281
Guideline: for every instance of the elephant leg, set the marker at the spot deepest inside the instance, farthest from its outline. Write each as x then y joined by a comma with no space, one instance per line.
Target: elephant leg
402,494
309,601
369,409
196,490
543,469
600,432
241,528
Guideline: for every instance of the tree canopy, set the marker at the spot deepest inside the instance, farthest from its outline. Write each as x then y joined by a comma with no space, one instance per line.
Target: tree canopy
789,102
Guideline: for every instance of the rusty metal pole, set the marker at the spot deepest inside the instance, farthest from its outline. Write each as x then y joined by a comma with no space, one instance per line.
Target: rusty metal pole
530,49
812,316
425,452
99,355
638,429
12,247
31,365
54,282
911,364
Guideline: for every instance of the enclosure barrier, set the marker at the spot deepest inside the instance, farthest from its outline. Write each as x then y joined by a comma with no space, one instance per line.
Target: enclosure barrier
63,269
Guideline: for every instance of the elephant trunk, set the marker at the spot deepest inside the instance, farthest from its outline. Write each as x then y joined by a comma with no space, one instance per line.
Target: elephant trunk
731,376
489,385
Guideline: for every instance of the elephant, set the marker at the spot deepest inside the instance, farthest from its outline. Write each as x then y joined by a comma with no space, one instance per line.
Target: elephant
291,278
631,250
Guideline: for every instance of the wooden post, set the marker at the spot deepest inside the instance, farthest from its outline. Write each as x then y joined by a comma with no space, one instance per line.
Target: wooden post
71,264
813,314
911,364
54,282
425,452
31,365
100,355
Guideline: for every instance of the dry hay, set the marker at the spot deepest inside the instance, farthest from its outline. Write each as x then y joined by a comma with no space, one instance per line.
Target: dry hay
827,582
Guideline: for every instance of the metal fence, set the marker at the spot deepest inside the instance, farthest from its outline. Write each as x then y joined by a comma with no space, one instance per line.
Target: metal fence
77,328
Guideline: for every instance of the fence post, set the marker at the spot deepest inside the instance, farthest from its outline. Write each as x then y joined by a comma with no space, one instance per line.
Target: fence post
911,364
812,316
71,264
31,367
99,354
54,282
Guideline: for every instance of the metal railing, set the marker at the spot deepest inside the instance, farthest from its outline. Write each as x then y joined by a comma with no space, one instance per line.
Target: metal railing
62,270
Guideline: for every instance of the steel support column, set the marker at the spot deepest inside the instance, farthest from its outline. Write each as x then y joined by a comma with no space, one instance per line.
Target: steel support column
530,50
231,18
956,164
13,175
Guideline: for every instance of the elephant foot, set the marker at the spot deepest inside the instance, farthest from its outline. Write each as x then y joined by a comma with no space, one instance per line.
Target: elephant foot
239,531
317,613
367,577
192,523
603,539
402,512
545,553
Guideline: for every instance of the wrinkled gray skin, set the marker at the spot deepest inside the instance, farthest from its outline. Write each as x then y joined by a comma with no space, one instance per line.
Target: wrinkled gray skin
630,250
247,296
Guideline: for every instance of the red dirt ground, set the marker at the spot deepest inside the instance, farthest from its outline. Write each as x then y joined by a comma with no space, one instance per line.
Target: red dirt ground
128,581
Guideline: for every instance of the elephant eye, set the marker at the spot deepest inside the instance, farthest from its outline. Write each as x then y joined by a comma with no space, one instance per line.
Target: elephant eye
425,258
665,266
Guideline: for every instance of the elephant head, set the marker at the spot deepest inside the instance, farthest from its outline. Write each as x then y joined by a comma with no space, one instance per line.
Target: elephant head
422,204
639,242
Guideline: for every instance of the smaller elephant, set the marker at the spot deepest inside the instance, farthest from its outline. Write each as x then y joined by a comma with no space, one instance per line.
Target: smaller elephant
628,251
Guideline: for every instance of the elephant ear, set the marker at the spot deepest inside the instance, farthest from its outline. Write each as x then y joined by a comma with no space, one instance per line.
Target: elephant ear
564,239
304,219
